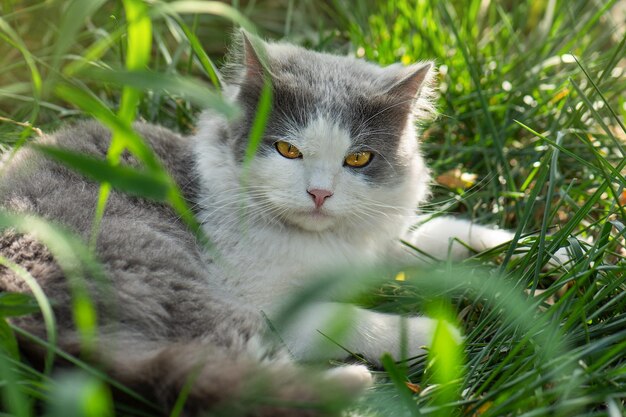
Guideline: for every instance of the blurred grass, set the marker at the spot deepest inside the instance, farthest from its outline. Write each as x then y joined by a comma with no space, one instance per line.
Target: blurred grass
531,135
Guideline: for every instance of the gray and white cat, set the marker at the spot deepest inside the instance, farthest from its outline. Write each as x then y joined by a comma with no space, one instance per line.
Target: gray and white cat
335,183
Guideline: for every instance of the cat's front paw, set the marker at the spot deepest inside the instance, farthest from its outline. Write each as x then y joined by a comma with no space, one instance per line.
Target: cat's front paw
313,335
419,333
352,378
381,333
560,258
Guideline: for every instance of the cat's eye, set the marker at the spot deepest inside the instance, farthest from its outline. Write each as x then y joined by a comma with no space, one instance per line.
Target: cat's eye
287,150
358,159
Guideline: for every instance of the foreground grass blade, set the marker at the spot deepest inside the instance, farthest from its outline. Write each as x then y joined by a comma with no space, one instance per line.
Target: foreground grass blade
139,46
260,121
399,380
188,88
44,306
150,185
17,402
445,361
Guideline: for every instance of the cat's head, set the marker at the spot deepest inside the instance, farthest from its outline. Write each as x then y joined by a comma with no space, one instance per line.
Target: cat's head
340,147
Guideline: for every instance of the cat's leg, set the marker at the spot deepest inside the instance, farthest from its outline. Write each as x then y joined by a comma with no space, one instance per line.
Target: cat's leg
455,239
450,238
327,330
232,373
231,383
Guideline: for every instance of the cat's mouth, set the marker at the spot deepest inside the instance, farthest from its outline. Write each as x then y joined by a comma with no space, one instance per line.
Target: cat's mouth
315,220
315,215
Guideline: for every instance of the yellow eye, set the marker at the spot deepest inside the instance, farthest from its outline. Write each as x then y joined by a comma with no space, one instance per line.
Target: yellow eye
358,159
287,150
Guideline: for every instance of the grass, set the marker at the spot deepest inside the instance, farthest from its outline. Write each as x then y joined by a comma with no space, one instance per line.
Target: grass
530,138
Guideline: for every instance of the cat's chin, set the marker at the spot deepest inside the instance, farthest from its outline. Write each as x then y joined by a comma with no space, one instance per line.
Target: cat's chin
312,221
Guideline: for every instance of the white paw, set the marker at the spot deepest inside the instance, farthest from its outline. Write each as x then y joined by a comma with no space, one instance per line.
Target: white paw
420,332
380,333
559,258
354,378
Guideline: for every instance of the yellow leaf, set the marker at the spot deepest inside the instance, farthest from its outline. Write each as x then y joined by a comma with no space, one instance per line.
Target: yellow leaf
455,178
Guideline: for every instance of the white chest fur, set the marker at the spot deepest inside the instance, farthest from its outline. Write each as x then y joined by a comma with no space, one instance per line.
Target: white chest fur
263,265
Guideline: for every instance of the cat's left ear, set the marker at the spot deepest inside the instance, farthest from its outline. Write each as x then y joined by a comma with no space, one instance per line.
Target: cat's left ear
408,82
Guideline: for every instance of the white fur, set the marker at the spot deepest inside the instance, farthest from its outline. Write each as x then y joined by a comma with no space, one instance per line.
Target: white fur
340,328
353,377
450,238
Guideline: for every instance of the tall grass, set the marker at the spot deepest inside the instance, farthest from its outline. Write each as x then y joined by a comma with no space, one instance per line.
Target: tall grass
532,106
530,137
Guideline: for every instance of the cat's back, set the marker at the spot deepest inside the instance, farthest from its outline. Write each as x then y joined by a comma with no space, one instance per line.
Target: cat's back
31,182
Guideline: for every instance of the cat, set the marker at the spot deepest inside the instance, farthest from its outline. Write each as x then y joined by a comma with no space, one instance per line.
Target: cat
335,182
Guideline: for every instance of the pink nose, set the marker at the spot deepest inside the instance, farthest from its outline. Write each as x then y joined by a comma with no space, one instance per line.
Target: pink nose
319,196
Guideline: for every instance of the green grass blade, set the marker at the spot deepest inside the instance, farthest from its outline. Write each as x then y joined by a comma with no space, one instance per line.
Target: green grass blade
8,342
96,108
88,368
445,361
17,402
42,301
139,47
260,121
205,7
399,381
16,304
130,180
209,67
188,88
77,11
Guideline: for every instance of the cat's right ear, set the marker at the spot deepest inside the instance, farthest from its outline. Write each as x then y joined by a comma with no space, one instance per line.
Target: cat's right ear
254,58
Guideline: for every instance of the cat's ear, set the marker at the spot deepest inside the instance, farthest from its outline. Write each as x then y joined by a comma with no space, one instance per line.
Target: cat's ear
254,58
412,88
408,82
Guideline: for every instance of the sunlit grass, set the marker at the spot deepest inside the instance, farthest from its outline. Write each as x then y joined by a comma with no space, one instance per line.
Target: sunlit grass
532,105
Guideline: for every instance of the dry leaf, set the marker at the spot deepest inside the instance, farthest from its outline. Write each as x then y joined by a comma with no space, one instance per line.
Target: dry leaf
414,387
480,410
455,178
